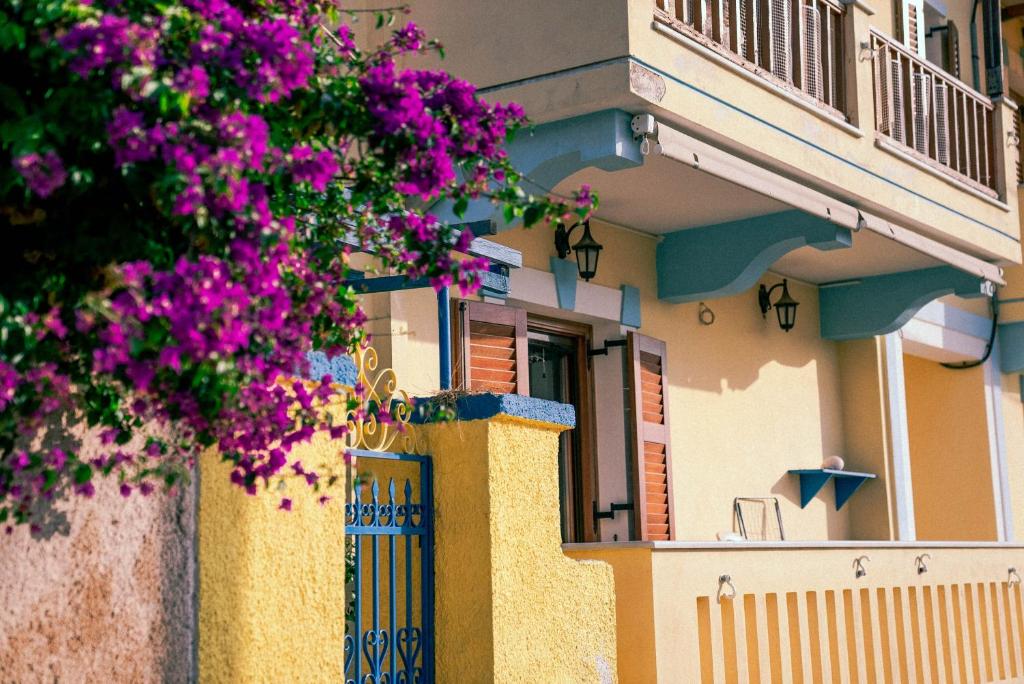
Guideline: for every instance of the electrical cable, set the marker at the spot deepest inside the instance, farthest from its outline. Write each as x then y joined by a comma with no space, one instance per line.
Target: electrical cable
988,348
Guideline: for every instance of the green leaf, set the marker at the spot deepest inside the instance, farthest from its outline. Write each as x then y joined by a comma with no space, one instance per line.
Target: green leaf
83,473
532,214
460,207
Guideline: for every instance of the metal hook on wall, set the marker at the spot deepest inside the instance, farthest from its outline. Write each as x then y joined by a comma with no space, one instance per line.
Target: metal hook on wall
726,580
1013,578
705,314
920,564
858,566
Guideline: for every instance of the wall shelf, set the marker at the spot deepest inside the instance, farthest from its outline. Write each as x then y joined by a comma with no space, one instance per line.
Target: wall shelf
813,479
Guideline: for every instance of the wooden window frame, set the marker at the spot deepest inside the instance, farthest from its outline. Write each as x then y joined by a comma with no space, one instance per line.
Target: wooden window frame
583,334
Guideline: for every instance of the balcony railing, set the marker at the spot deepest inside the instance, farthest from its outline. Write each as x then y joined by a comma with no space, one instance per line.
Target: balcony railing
931,115
796,44
841,612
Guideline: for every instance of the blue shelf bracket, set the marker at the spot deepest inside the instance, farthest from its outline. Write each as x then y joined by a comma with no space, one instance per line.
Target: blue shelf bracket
550,153
729,258
812,480
878,305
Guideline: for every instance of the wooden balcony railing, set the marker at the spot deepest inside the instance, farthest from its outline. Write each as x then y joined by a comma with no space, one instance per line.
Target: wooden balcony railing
932,115
797,44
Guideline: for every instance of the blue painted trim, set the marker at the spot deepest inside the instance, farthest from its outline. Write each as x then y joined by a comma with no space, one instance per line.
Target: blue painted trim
444,337
552,152
812,480
1011,348
878,305
341,368
821,149
364,285
728,258
565,272
484,406
630,313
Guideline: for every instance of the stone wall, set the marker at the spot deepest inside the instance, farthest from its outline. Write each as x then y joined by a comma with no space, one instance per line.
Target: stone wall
103,592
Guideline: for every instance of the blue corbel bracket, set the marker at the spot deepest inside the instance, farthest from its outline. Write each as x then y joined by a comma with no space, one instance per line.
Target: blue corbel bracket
878,305
564,272
1011,348
551,152
846,483
729,258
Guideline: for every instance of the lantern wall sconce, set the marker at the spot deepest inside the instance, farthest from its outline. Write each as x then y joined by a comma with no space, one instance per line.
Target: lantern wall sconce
587,248
785,306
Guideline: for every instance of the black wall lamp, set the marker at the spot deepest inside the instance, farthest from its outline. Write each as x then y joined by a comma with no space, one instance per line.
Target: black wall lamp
785,306
587,249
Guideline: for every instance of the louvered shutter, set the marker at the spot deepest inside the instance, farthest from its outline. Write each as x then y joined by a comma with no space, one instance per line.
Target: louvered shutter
493,355
952,51
908,18
652,480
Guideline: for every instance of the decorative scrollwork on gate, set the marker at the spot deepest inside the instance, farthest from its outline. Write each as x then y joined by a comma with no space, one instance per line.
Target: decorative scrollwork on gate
376,412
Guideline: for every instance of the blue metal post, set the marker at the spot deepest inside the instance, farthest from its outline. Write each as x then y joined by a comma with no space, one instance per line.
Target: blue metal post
444,337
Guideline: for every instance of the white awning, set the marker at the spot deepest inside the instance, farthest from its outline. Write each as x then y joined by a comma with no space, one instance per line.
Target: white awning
683,148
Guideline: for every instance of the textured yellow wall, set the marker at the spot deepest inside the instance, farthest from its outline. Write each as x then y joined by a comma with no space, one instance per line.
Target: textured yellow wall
949,452
747,401
634,608
511,606
271,583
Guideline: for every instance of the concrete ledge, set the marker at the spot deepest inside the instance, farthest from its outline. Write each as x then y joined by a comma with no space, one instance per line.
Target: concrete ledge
487,405
341,368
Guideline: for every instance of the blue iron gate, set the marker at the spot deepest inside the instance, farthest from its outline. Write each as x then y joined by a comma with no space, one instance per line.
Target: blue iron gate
389,532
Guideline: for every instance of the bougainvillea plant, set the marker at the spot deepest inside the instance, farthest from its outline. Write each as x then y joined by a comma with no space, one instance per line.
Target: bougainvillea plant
181,183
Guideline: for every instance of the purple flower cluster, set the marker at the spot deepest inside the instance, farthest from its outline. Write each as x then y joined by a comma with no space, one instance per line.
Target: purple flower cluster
315,168
432,120
42,173
238,117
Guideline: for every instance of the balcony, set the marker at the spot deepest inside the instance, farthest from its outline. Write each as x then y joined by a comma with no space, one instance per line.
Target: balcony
752,612
928,114
795,44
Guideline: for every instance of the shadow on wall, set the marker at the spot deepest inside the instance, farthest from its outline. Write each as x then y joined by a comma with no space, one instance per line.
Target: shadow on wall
104,591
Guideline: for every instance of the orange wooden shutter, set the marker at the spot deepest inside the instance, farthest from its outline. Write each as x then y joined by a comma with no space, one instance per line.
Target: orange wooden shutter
494,348
652,495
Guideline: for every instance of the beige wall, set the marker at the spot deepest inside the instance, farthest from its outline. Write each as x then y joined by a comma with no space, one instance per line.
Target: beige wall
949,452
747,402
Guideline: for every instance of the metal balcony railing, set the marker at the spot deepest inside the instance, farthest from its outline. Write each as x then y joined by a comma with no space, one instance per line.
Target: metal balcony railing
796,44
931,114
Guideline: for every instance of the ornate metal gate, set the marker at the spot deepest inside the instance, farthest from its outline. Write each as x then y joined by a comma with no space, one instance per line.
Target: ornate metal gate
389,552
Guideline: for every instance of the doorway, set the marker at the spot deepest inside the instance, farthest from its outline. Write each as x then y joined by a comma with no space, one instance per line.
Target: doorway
559,371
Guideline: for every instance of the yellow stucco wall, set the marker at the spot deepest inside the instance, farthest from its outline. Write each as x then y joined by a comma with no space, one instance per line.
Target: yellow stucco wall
866,430
1013,432
949,452
271,583
511,606
634,608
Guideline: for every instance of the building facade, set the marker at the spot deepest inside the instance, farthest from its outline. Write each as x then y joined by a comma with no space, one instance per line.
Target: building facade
864,155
